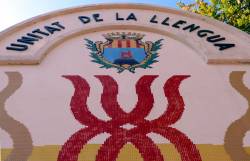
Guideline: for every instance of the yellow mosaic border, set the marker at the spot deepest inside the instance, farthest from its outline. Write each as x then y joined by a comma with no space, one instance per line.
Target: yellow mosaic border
128,153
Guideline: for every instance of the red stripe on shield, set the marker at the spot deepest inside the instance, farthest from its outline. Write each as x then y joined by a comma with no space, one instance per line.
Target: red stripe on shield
119,43
128,43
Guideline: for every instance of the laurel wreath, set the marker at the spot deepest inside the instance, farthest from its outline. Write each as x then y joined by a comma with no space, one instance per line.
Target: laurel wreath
150,59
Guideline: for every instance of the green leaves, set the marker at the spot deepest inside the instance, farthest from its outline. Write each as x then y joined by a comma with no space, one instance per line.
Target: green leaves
157,45
94,54
154,55
91,45
232,12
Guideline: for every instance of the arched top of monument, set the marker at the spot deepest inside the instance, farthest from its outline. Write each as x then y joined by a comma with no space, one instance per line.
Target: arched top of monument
215,42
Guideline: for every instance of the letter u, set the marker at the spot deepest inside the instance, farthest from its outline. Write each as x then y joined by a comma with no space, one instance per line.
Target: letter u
17,47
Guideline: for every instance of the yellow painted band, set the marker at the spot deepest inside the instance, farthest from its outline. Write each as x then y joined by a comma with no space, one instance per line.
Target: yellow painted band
128,153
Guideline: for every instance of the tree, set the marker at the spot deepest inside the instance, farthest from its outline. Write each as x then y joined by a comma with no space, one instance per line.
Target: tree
233,12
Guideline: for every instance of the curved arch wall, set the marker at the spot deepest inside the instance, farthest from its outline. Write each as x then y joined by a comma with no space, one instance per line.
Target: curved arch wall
124,82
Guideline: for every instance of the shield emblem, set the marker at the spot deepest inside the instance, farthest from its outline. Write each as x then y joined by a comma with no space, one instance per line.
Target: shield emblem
124,51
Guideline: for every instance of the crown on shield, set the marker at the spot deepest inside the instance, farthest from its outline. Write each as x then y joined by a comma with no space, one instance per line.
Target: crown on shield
123,35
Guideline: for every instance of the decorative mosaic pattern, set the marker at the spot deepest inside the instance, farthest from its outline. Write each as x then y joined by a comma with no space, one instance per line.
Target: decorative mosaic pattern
236,132
137,135
22,141
116,147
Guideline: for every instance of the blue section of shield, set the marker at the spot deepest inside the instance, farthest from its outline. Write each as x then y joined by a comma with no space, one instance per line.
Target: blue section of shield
115,55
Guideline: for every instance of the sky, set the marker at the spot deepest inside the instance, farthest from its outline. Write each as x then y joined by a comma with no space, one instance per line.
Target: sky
15,11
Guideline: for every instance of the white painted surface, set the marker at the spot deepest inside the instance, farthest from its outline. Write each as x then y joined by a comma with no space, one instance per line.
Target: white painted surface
42,103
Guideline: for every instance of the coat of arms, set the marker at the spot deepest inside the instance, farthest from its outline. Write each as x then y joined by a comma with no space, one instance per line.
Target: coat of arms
124,51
